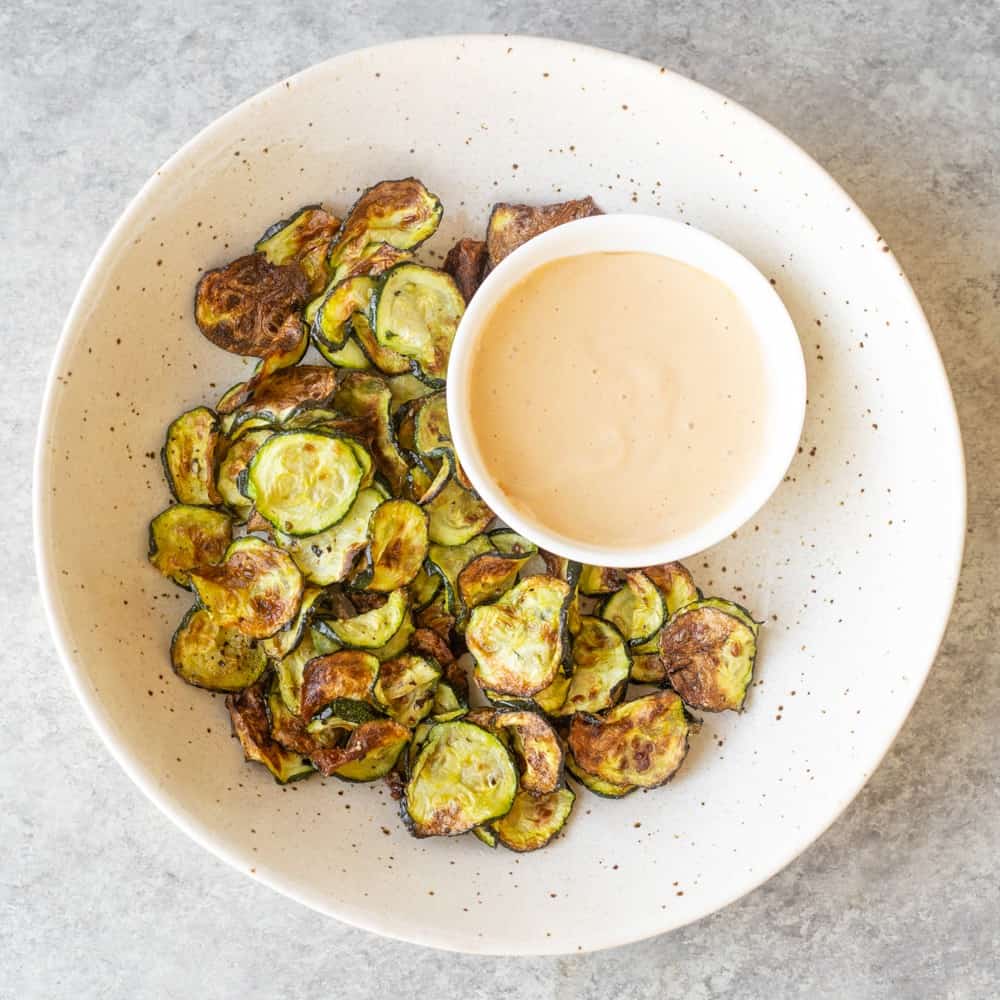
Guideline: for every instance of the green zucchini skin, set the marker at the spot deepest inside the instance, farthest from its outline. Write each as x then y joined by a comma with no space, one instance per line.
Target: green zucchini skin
534,820
213,657
184,537
189,457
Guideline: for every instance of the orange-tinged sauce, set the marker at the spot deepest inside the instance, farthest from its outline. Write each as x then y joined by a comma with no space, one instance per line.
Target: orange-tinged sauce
618,398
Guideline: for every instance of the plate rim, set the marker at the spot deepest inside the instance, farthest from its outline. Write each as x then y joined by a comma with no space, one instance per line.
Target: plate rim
205,836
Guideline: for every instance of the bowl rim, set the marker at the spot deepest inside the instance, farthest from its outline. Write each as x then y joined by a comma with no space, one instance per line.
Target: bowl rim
207,836
781,354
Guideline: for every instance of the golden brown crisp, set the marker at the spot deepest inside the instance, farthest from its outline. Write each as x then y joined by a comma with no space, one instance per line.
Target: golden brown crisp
510,226
466,263
347,674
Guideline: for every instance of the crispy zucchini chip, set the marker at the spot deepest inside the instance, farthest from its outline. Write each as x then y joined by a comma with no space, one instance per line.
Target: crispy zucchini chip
648,668
236,459
510,226
290,669
251,306
405,388
329,556
350,356
305,239
370,753
289,391
595,581
431,432
183,538
510,543
207,655
486,577
386,360
448,704
331,324
605,789
286,639
399,213
536,747
534,820
248,712
437,618
600,668
429,643
304,482
446,562
462,777
255,590
423,588
399,641
397,546
406,687
637,610
371,629
374,260
709,649
416,313
340,685
675,583
366,398
466,262
455,515
189,457
641,742
518,641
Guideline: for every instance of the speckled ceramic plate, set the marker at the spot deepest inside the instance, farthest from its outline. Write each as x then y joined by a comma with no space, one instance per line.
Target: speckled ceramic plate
852,564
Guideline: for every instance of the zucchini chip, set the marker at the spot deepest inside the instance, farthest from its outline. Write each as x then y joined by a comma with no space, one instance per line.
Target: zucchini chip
236,459
406,687
256,589
431,432
399,213
455,515
387,361
375,259
329,556
371,629
366,398
205,654
448,704
405,388
370,753
466,262
428,643
709,649
486,577
485,834
510,226
290,669
534,820
637,610
518,641
397,644
462,777
183,538
416,313
252,307
340,685
189,457
536,747
605,789
286,639
446,562
675,583
510,543
641,742
304,238
304,482
350,356
595,581
397,546
423,589
600,668
289,391
248,712
331,325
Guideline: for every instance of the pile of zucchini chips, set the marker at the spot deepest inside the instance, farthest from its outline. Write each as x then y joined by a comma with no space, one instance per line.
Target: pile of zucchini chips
343,566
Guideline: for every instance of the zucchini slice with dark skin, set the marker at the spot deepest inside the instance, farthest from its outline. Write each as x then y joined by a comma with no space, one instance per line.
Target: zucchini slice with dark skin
397,546
534,820
641,742
289,391
594,784
447,703
340,684
304,482
371,752
511,226
406,686
510,543
279,645
398,642
429,643
256,589
534,743
350,356
387,361
487,577
466,262
303,238
484,834
518,642
423,589
677,586
290,670
455,515
424,483
251,306
184,537
205,654
637,610
709,650
399,213
596,581
189,457
375,259
331,325
237,457
329,556
405,388
462,777
446,562
248,712
601,666
371,629
416,313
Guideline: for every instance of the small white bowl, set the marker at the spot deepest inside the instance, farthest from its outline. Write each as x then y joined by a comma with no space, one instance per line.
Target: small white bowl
783,365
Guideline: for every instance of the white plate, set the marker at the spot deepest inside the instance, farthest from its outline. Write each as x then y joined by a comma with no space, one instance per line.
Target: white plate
853,563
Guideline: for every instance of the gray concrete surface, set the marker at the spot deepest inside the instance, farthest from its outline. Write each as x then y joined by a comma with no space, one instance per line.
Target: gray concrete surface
101,896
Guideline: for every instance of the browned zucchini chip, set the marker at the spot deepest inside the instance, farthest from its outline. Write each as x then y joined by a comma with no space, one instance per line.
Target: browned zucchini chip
397,546
205,654
406,687
371,752
331,324
466,262
256,589
510,226
447,562
637,610
237,457
429,643
675,582
598,580
536,747
251,306
373,628
290,391
518,642
708,650
462,777
534,820
189,457
605,789
600,669
423,588
387,361
304,238
455,515
279,645
641,742
183,538
340,685
249,715
486,577
290,669
510,543
375,259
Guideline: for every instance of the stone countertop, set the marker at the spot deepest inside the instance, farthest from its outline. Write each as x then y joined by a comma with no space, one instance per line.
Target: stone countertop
102,896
